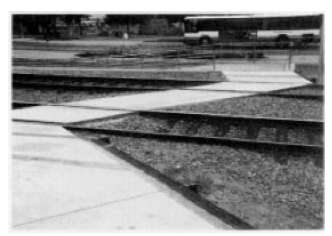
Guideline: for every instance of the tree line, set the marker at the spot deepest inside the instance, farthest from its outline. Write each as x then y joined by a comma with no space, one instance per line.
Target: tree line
46,24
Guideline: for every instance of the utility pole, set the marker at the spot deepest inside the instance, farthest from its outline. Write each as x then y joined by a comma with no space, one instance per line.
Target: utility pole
321,53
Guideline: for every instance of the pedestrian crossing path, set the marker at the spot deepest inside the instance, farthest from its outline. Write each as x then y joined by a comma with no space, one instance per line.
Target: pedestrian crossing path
62,182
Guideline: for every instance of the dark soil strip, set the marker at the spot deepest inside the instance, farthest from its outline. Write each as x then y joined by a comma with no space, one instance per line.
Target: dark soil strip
157,76
19,104
76,87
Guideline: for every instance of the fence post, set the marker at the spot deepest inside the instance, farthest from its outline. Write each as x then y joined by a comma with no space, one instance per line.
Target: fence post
214,61
290,56
254,47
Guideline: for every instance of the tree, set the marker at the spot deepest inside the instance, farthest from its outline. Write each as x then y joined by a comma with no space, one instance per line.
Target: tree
73,19
173,18
42,24
127,20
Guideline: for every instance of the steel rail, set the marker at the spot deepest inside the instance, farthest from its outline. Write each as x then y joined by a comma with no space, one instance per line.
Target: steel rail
233,142
264,121
251,125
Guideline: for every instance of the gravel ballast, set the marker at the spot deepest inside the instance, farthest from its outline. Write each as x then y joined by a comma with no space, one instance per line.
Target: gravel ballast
266,106
59,95
266,190
304,90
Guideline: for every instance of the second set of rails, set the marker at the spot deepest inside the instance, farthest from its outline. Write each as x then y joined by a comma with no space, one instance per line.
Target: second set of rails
142,85
222,124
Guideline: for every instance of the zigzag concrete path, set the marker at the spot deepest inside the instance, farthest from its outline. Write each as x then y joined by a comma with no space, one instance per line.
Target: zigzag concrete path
63,182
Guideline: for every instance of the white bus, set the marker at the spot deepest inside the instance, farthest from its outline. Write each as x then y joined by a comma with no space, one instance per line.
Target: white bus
281,29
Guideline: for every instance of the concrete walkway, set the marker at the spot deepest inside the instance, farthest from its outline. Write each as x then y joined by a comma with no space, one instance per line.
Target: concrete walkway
252,82
62,182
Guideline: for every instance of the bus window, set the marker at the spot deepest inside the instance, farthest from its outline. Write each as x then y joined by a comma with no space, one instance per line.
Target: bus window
209,25
190,26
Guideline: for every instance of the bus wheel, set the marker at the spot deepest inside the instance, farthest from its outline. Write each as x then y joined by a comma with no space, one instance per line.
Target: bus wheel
204,41
283,41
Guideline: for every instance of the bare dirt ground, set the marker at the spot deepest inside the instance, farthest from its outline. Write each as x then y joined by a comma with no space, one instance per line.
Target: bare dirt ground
106,51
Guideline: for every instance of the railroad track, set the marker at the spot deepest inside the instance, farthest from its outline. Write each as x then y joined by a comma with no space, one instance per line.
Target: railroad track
141,84
221,122
248,127
253,122
234,119
156,87
189,190
81,80
131,62
85,79
82,87
102,137
87,83
232,142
